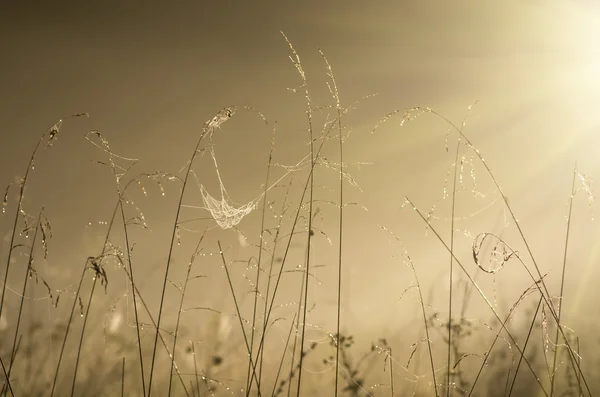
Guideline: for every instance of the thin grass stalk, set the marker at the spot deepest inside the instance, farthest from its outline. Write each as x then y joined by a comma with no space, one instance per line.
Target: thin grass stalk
391,371
562,284
87,311
53,131
4,387
135,310
192,388
185,284
28,371
297,316
237,308
195,368
578,375
260,250
275,241
123,378
287,341
507,381
335,93
296,60
7,378
307,269
450,282
543,340
524,347
21,303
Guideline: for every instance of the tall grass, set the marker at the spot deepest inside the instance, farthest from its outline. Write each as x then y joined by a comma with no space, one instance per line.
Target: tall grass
258,361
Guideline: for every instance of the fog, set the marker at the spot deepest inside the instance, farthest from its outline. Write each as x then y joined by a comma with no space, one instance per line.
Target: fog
518,78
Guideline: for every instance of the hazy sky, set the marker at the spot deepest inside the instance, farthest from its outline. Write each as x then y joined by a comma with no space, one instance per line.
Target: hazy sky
151,73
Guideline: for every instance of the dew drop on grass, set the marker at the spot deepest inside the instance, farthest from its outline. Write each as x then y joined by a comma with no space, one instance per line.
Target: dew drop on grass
178,235
5,201
80,306
143,188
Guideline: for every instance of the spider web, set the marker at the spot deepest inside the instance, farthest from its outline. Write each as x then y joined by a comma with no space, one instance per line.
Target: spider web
225,211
